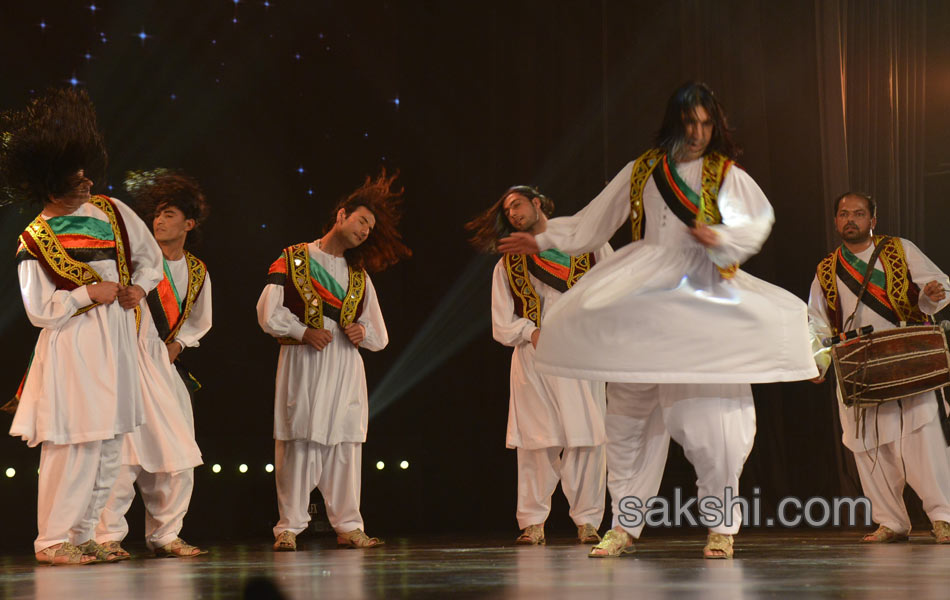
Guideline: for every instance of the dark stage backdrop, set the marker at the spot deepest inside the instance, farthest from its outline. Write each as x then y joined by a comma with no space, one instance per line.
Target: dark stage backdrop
279,108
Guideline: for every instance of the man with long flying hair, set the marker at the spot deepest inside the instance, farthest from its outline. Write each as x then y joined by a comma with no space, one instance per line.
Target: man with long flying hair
320,304
673,318
85,263
162,454
556,424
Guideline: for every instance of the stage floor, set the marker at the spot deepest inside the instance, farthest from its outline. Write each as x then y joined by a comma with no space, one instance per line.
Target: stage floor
767,563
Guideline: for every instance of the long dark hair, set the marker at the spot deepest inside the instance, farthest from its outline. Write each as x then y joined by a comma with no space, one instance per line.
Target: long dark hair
492,225
683,102
44,144
154,190
384,246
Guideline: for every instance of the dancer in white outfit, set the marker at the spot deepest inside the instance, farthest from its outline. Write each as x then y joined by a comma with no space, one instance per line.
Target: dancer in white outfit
672,316
899,442
162,454
320,304
556,424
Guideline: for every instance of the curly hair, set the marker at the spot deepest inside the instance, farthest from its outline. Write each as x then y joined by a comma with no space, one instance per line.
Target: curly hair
157,189
684,101
384,246
44,144
492,225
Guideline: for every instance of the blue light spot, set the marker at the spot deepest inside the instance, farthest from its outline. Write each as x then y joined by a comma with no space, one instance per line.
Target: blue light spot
365,134
174,97
234,20
266,4
320,36
43,25
109,187
142,35
73,81
92,8
310,192
396,101
87,56
263,225
300,170
297,56
213,42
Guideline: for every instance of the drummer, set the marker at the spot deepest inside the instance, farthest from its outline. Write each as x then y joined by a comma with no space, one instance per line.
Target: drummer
897,442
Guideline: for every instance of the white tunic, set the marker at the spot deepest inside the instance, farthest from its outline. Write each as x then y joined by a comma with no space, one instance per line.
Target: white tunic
657,310
84,383
884,424
321,395
166,442
544,411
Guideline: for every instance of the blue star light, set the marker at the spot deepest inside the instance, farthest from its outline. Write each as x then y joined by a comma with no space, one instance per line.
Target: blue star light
310,192
142,36
73,81
43,24
396,101
174,97
87,56
266,4
297,56
365,134
109,187
300,170
92,8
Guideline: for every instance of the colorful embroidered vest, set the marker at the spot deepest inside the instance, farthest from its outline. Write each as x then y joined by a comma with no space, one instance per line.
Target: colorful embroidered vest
686,204
553,267
310,291
169,309
891,293
64,245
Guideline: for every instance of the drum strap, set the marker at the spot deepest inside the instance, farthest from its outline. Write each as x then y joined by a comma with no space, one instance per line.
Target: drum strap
867,279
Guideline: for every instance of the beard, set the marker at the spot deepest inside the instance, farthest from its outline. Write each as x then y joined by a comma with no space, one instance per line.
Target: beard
855,234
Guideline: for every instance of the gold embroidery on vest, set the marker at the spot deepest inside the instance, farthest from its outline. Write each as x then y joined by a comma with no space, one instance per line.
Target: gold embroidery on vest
642,168
196,278
354,293
828,280
517,267
898,281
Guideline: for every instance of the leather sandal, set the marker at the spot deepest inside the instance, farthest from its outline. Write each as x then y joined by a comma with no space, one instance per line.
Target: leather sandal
941,532
92,548
286,542
718,545
179,548
357,539
114,547
587,534
64,554
532,535
615,543
884,535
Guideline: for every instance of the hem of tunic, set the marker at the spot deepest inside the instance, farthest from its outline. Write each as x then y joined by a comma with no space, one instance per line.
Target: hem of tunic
679,376
37,439
174,467
543,445
321,442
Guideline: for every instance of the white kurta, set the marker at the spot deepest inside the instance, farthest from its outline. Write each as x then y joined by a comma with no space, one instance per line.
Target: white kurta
166,441
84,383
544,411
321,396
657,310
891,420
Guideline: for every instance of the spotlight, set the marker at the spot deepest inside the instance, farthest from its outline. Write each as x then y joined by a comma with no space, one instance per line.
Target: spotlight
404,465
242,468
269,468
380,465
11,472
215,468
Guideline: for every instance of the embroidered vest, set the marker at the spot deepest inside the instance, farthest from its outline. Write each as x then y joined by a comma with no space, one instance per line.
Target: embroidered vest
895,300
552,267
169,311
309,298
704,208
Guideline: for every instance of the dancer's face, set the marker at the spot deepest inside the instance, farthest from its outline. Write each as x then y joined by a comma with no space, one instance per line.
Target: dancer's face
170,224
80,188
853,219
698,129
522,213
355,227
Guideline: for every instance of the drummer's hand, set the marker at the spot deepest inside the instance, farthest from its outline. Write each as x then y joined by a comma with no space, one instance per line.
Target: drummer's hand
519,242
934,290
704,234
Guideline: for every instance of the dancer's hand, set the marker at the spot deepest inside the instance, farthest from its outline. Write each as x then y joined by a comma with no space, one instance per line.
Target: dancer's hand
705,235
174,349
518,242
534,337
355,332
103,292
934,290
130,296
317,338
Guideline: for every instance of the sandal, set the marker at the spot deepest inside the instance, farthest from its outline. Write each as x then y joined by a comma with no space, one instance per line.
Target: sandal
532,535
63,554
114,547
92,548
885,535
587,534
357,539
941,532
179,548
286,542
615,543
718,545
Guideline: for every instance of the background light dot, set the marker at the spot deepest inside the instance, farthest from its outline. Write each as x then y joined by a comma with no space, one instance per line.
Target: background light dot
380,465
216,468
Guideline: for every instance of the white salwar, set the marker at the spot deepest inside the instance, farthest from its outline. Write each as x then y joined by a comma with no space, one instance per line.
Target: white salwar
83,388
556,424
658,312
160,455
898,442
321,406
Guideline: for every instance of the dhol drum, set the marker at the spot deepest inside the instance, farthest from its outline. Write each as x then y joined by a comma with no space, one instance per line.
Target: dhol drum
892,364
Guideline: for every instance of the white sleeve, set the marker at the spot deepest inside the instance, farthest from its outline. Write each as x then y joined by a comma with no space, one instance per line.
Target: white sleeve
603,253
275,318
747,219
198,322
45,305
146,254
922,272
376,337
507,328
818,326
594,224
